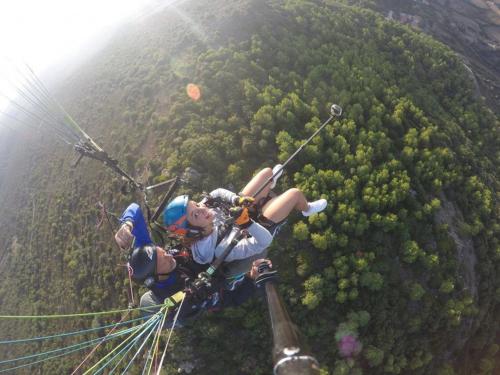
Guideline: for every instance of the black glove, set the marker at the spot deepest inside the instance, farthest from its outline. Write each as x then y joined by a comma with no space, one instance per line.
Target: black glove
199,289
243,201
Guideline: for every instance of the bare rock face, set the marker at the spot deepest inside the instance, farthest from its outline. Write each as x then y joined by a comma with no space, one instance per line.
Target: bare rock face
469,27
451,215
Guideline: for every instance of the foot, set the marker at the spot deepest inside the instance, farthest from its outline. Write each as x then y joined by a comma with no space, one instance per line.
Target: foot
315,207
275,179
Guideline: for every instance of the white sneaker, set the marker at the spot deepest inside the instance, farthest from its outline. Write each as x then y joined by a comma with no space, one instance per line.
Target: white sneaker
275,179
315,207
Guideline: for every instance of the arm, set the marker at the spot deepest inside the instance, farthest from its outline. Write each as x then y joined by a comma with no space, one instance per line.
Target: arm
224,195
261,239
203,251
134,219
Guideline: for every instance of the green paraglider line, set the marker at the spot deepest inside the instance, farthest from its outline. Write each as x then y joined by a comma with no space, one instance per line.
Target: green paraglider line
30,94
66,334
72,348
40,106
57,316
41,87
45,359
145,327
144,341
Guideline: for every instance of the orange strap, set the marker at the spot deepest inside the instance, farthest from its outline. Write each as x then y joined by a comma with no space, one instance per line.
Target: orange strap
244,217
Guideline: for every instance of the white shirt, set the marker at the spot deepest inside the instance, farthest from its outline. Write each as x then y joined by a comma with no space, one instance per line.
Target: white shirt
206,250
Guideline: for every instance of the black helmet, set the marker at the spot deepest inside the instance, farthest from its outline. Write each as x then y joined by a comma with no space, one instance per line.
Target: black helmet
142,261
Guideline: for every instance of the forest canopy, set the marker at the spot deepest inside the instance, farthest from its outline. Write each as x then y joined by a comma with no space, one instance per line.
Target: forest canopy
405,259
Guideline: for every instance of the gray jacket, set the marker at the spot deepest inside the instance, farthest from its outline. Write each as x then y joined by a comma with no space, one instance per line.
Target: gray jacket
206,250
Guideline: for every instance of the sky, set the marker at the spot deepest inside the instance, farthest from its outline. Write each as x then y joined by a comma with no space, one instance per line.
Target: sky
45,33
42,32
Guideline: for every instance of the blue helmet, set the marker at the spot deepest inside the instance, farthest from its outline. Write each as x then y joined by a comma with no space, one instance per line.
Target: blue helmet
174,216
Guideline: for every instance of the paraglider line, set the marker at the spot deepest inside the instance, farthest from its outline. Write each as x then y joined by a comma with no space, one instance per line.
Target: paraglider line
99,344
170,334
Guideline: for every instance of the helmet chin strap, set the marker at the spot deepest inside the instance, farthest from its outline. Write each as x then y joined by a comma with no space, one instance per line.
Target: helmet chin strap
194,231
157,274
162,274
149,281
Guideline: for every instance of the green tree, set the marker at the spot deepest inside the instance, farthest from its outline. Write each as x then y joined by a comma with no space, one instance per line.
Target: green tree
300,231
411,251
319,241
372,280
374,355
447,286
313,288
416,291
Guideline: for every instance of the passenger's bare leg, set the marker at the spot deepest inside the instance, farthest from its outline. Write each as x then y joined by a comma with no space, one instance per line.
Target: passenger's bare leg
278,208
256,182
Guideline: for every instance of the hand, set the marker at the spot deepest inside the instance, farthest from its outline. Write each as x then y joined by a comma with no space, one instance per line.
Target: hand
124,236
199,288
242,216
259,266
244,201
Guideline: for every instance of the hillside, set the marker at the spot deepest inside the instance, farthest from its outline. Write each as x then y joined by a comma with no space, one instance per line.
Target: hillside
469,27
405,260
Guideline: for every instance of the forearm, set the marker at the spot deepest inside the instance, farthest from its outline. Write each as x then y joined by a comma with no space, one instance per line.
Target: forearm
224,194
260,240
260,235
133,215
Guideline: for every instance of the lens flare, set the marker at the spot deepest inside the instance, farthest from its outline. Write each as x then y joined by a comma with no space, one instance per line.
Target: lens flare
193,91
347,340
349,346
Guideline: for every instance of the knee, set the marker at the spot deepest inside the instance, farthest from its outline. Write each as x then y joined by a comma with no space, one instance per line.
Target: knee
148,299
266,172
294,192
149,304
294,195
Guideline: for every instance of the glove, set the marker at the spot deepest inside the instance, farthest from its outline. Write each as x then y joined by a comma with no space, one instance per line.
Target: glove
260,266
244,201
124,236
242,216
199,288
262,272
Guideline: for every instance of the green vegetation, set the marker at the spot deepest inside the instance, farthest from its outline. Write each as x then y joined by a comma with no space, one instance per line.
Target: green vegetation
405,259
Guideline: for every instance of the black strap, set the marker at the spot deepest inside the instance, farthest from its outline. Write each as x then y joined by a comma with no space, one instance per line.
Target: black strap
165,199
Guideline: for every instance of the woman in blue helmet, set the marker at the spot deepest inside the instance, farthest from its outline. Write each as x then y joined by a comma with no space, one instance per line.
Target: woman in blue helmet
200,224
